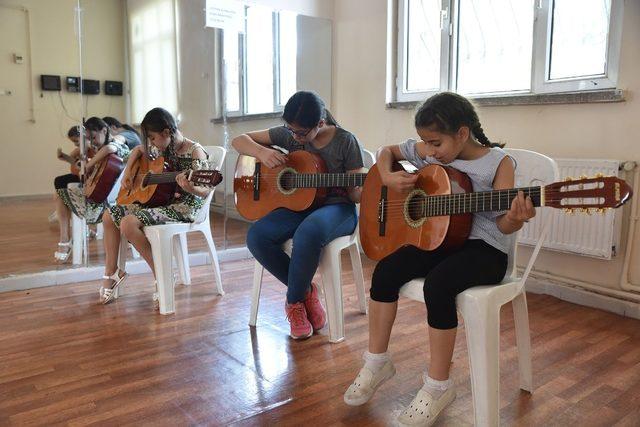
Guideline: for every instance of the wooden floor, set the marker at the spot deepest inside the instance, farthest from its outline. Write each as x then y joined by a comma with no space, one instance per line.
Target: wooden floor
66,360
28,240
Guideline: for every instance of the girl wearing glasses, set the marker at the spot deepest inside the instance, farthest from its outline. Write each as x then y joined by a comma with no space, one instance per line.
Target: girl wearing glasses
309,126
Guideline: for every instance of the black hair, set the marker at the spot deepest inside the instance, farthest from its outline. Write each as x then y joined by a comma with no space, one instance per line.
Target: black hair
96,124
448,112
157,120
112,121
306,109
74,132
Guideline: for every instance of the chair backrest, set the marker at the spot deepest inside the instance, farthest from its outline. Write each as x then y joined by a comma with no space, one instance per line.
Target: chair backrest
532,169
217,154
368,158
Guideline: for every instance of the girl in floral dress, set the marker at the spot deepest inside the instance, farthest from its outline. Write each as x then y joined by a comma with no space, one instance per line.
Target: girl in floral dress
160,136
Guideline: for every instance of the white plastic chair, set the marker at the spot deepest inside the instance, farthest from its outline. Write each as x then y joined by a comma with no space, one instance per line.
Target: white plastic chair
480,307
170,240
330,267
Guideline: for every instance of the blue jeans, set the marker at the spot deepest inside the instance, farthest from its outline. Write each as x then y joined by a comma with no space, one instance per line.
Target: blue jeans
311,230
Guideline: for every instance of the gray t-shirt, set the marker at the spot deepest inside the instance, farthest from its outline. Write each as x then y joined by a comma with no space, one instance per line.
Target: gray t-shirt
343,153
131,137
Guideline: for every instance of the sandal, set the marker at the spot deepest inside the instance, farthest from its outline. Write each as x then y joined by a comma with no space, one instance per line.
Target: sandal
63,252
109,294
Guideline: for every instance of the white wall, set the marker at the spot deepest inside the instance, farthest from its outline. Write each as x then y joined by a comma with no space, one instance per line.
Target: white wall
578,130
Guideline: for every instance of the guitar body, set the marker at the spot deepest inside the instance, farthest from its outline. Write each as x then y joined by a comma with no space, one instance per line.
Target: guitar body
403,223
151,195
102,178
255,201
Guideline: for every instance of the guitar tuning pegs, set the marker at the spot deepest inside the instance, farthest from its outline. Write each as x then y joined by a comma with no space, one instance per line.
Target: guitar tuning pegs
568,179
601,211
599,175
585,210
569,211
583,177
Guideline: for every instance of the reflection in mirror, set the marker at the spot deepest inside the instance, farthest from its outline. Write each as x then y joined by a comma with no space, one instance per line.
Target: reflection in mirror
38,114
133,56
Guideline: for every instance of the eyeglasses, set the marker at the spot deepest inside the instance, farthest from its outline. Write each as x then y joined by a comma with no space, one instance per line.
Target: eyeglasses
300,133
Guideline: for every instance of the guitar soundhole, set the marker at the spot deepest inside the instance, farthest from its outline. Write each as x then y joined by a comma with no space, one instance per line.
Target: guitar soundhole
414,210
286,181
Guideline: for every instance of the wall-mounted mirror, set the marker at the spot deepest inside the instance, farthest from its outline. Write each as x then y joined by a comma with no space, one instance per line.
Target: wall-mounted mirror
134,55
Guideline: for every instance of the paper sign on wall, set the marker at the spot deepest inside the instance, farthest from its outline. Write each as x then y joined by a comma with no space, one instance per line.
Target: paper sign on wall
225,14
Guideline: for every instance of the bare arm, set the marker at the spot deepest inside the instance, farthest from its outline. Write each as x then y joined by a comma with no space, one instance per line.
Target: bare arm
250,144
103,152
187,185
521,208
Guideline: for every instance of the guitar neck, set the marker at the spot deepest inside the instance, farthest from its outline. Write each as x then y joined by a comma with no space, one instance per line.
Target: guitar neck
322,180
483,201
67,158
161,178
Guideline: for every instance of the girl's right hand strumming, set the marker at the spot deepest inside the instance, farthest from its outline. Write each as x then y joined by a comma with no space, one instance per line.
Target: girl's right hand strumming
400,181
272,158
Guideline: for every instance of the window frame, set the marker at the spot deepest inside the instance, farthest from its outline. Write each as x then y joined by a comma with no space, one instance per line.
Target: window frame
277,104
540,63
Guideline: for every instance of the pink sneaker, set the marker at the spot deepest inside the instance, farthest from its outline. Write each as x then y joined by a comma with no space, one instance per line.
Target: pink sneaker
297,317
315,311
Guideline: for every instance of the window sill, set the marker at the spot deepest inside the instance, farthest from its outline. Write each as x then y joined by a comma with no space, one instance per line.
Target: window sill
590,97
248,117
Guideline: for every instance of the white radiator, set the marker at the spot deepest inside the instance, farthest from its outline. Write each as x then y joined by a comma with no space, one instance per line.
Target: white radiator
593,235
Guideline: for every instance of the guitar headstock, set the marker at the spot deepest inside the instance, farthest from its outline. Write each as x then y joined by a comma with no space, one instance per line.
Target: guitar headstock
598,193
206,178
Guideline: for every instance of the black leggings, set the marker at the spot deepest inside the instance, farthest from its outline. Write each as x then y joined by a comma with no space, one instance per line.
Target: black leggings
447,274
62,180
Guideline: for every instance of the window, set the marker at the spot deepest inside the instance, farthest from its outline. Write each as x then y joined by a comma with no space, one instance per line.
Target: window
260,65
506,47
153,57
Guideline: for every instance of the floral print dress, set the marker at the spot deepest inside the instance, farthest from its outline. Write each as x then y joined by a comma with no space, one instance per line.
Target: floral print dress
184,208
74,198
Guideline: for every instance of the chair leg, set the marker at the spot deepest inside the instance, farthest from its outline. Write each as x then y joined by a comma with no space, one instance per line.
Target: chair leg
332,284
163,264
213,253
255,293
78,232
482,325
358,276
181,254
99,231
134,252
523,341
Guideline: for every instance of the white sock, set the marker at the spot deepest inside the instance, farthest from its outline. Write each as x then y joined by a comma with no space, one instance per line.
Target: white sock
375,361
435,388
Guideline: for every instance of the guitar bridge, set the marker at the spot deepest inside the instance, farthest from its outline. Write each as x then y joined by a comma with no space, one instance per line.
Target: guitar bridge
256,183
382,211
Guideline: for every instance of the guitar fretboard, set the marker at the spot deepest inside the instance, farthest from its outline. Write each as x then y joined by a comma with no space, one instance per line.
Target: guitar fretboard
319,180
482,201
161,178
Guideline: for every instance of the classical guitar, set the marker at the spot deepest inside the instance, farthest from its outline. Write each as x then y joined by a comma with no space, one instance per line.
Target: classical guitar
297,185
102,178
438,212
154,186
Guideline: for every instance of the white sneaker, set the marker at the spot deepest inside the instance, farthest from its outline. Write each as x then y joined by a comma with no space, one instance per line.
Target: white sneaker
424,409
366,383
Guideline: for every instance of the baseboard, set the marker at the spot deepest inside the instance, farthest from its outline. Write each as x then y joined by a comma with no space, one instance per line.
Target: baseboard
576,295
83,274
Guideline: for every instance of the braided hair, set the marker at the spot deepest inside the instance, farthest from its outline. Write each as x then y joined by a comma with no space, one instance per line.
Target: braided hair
448,112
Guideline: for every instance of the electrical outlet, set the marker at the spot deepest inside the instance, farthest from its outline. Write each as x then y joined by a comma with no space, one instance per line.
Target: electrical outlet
18,58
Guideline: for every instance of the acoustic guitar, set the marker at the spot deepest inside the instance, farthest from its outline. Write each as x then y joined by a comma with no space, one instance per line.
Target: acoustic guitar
297,185
438,212
102,178
154,186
